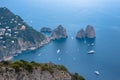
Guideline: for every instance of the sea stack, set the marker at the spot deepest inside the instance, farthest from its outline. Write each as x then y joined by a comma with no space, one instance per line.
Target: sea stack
59,33
90,32
80,34
46,29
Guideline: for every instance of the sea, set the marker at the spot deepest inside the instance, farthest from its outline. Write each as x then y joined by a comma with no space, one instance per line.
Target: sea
104,15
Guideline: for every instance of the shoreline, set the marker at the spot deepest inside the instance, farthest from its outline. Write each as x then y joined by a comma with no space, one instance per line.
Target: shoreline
44,42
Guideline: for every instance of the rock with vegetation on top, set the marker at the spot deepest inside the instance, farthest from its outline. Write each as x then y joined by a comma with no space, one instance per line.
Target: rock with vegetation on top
46,29
59,33
22,70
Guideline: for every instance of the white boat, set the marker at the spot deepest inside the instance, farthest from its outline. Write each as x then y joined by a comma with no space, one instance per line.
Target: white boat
97,72
92,44
58,51
59,59
91,52
39,54
72,38
16,55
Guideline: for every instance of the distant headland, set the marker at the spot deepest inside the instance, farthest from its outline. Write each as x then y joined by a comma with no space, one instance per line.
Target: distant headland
17,36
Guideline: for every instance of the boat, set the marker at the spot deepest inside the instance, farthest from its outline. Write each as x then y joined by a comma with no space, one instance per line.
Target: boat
59,59
97,72
58,51
39,54
91,52
72,38
92,44
16,55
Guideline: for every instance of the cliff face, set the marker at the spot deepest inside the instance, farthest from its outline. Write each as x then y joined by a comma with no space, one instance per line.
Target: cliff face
46,29
59,32
16,35
37,74
22,70
80,34
89,33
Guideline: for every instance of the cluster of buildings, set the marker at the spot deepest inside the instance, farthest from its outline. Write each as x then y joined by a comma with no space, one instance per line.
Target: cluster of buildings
7,33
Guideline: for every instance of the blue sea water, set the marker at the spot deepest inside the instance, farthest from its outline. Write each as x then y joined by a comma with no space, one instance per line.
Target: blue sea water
104,15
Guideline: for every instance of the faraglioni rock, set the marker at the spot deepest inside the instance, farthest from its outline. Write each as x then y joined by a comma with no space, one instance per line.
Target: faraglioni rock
46,29
59,33
16,35
80,34
22,70
90,32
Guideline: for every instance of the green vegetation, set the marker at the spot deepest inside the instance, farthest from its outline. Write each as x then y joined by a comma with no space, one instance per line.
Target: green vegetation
76,76
61,67
31,35
30,66
47,67
17,65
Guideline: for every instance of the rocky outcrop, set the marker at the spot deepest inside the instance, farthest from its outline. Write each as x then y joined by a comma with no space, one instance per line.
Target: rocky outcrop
16,35
59,32
22,70
46,29
80,34
37,74
90,32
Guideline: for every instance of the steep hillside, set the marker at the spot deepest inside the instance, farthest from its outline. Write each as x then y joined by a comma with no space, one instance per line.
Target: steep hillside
16,35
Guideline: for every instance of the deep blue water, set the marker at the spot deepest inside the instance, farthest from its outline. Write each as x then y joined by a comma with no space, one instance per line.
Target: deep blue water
104,15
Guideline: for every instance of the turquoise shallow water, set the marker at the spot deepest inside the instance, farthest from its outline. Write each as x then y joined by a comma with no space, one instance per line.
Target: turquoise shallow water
103,15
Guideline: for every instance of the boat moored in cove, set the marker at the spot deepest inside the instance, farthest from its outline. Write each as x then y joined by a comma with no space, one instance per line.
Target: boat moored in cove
91,52
97,72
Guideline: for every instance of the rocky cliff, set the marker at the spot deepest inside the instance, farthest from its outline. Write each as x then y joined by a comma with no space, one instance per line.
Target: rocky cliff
22,70
89,33
59,32
16,35
46,29
80,34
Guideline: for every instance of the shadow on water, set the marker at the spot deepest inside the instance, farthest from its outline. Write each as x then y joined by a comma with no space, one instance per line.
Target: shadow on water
60,40
60,44
89,43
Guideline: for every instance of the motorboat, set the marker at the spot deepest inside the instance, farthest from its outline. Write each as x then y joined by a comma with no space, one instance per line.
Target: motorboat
97,72
91,52
58,51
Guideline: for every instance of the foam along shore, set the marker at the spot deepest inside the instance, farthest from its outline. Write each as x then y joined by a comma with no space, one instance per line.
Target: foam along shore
7,58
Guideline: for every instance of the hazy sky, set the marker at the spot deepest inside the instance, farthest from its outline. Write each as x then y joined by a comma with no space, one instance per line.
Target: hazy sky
64,11
61,2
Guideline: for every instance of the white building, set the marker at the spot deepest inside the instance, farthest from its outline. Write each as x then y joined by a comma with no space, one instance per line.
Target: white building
2,31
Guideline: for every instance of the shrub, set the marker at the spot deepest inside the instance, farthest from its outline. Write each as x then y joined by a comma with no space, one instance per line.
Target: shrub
29,67
16,67
46,67
76,76
61,67
5,63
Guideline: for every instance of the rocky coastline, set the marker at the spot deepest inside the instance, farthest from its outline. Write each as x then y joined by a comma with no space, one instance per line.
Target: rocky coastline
59,33
89,33
17,36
